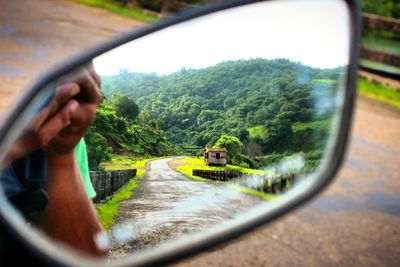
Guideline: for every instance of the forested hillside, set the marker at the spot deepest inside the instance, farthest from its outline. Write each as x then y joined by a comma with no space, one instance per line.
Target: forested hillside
118,130
274,107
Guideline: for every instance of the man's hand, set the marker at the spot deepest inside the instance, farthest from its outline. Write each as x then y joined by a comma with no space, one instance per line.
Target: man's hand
82,112
61,124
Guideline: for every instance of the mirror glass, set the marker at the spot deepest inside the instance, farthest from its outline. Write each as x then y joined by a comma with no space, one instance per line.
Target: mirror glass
202,121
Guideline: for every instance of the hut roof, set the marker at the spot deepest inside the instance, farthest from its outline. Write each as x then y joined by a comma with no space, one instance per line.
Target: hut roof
216,150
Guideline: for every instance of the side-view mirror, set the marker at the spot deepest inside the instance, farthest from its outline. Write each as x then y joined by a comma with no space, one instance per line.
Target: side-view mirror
212,123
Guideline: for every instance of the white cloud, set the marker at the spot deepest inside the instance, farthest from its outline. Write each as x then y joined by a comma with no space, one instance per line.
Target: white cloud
313,32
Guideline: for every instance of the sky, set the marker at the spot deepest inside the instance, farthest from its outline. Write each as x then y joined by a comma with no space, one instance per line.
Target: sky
315,33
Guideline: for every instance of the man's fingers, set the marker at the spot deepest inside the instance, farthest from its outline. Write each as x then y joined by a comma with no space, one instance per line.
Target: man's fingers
66,92
90,89
56,123
83,117
63,94
88,82
41,138
94,74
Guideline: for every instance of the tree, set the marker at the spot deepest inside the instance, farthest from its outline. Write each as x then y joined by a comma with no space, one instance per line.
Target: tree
229,102
387,8
97,148
125,107
207,116
279,134
232,144
145,117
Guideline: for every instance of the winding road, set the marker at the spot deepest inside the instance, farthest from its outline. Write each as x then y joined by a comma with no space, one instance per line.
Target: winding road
167,205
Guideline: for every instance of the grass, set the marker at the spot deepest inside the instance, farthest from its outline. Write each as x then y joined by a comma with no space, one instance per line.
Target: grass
119,162
383,44
379,66
257,131
323,124
108,211
386,95
134,13
324,81
194,163
188,171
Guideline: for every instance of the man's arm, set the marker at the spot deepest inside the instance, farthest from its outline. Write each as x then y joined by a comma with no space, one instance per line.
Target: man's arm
70,215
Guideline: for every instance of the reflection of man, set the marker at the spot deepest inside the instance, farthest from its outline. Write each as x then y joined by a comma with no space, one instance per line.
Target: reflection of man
69,215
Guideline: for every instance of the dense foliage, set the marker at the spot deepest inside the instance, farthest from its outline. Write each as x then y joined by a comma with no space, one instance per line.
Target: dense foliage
271,106
115,131
387,8
164,6
231,144
125,107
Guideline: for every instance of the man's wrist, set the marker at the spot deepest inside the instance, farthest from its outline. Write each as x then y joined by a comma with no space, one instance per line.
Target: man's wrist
61,156
63,171
61,160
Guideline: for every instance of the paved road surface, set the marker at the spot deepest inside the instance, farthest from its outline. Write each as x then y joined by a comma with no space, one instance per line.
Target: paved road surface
36,35
167,205
354,223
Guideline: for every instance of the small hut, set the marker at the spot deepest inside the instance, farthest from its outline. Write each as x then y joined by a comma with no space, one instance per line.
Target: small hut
215,156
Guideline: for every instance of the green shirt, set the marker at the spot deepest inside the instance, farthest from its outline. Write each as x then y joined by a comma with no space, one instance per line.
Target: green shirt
82,159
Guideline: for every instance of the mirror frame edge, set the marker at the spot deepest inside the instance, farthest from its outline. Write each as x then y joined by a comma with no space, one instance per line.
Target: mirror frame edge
326,177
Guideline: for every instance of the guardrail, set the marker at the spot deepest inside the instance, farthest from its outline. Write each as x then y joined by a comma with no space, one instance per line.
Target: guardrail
380,57
379,75
376,22
105,183
261,183
217,175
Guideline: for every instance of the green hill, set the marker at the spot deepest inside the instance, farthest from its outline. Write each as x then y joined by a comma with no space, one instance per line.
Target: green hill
256,100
